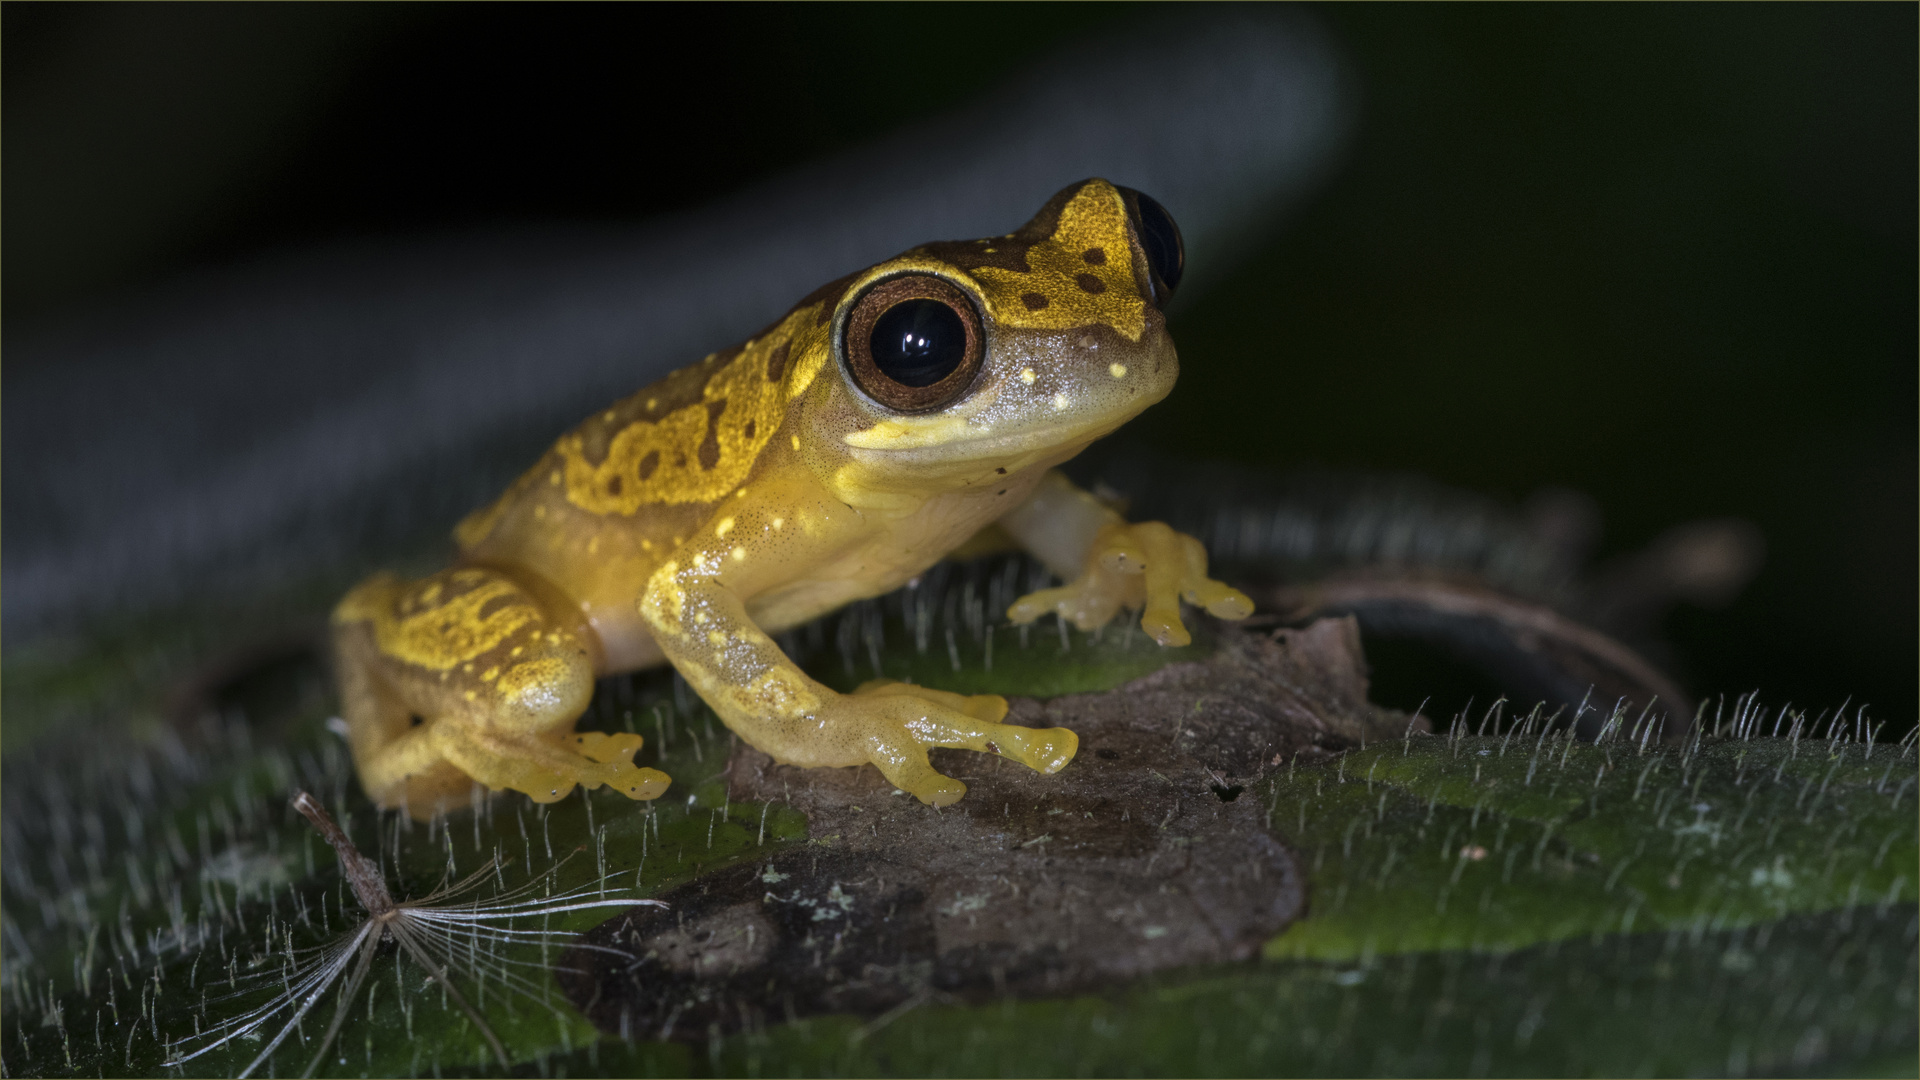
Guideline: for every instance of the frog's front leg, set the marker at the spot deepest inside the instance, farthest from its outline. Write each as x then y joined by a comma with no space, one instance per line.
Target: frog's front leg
1110,564
703,627
465,676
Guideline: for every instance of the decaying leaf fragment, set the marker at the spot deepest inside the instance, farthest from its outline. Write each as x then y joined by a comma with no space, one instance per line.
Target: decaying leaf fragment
1140,856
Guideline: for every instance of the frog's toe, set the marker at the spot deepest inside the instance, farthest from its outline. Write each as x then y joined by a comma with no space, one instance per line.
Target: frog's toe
1174,568
614,756
1161,619
1044,750
1222,601
533,775
645,785
989,707
1088,603
635,782
607,749
905,767
1035,604
540,785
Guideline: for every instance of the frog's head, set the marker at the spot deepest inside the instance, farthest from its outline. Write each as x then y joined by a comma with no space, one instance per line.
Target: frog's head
962,360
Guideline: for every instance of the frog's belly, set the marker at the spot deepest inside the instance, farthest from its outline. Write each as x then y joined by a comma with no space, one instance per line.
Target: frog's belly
624,639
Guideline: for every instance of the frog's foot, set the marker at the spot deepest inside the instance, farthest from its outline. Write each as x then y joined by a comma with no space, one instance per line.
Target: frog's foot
545,768
894,723
1145,565
444,764
462,680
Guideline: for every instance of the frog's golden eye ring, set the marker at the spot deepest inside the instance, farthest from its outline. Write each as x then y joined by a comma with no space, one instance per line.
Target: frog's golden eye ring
1160,239
914,343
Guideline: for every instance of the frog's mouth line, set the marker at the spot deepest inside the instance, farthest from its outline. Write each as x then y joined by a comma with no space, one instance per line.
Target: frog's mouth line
1012,452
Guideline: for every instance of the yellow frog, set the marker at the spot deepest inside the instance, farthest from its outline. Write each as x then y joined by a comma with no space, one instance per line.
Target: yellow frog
883,422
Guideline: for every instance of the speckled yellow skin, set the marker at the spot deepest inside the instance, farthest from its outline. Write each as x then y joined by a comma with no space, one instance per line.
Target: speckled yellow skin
761,488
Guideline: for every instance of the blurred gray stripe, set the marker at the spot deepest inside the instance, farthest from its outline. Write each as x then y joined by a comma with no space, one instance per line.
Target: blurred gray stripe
315,407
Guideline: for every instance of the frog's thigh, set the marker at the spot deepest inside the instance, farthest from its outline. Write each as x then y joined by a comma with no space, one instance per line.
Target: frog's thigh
397,766
462,677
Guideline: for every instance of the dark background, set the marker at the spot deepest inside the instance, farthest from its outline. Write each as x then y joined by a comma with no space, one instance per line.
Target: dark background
1661,254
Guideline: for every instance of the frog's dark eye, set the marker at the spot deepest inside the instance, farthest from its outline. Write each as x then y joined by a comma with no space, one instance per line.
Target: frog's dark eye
918,342
914,343
1160,239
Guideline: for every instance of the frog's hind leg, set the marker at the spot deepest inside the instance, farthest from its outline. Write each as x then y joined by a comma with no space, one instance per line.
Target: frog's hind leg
467,677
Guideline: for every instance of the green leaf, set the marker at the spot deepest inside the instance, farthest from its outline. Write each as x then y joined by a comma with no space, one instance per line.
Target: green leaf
1493,843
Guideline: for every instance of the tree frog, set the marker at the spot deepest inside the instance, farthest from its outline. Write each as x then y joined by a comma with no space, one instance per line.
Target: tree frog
884,421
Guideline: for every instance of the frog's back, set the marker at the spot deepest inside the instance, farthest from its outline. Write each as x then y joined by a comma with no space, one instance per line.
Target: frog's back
612,497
